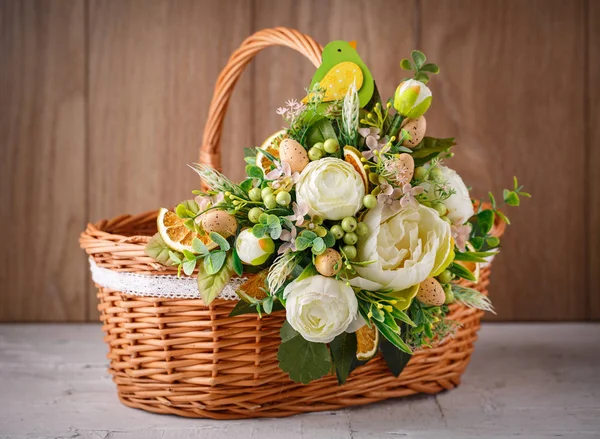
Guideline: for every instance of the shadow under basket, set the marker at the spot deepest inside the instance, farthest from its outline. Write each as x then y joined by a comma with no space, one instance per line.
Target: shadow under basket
179,356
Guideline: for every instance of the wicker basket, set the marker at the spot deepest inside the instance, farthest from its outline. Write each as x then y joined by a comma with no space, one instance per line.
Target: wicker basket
178,356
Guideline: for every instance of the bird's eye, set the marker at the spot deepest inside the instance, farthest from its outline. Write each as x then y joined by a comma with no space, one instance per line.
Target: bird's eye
339,50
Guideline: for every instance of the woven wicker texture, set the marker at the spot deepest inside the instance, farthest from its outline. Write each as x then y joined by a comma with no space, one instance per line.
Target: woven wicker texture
178,356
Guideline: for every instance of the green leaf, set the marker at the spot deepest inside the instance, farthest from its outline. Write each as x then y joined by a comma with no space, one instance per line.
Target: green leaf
485,220
237,263
259,230
473,256
511,198
492,200
220,241
430,68
214,262
462,271
211,285
392,337
418,57
246,185
199,247
319,132
405,64
318,246
287,332
254,171
429,148
250,153
516,182
188,266
303,360
268,304
309,271
343,351
395,358
423,77
175,258
181,211
268,155
158,250
493,241
329,239
503,217
477,242
188,255
242,308
305,240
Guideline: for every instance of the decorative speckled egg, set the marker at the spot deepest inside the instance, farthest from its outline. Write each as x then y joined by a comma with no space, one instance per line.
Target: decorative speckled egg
329,263
416,128
293,153
431,293
407,166
220,222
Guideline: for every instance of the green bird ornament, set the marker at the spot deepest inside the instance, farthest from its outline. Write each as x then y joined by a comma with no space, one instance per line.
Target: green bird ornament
340,67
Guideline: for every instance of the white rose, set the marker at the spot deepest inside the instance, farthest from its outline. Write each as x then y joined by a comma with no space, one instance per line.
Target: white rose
253,250
320,308
331,188
459,205
407,245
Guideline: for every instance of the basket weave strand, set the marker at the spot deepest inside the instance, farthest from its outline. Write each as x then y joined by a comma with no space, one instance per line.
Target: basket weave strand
179,356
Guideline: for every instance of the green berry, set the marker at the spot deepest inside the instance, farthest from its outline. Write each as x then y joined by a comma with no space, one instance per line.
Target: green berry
331,146
420,173
350,238
266,191
283,198
445,277
440,208
349,251
362,229
337,231
315,154
370,201
449,296
270,201
349,224
320,231
255,194
254,214
436,174
318,145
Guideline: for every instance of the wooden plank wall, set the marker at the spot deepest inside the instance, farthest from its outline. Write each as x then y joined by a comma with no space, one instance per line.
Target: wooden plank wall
103,103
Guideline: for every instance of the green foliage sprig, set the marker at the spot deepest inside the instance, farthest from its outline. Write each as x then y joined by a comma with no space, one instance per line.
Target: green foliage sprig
419,67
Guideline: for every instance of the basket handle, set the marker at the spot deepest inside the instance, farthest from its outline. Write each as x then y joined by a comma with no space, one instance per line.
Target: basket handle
210,151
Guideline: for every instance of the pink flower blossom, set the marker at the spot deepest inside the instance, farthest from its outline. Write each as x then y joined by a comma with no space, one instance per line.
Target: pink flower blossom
397,171
371,136
409,194
282,175
289,238
461,235
388,194
300,210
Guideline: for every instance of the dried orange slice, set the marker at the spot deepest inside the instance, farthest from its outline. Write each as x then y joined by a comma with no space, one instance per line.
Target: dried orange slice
254,287
353,156
271,145
367,342
175,234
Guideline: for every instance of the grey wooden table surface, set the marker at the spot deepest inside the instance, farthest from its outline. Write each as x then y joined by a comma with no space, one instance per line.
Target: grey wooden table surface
527,380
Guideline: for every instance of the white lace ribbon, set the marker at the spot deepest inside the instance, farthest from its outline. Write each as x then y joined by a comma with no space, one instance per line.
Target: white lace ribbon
167,286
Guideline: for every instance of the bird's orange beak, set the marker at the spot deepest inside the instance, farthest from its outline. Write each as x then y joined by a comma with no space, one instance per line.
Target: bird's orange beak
352,44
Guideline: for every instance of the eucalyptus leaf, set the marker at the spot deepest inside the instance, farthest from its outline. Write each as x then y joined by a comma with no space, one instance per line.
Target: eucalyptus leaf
211,285
318,246
214,261
418,58
405,64
199,247
511,198
430,68
175,257
423,77
188,266
343,351
259,230
220,241
189,255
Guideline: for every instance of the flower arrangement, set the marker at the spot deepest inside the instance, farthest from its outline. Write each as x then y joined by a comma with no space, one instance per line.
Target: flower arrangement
348,220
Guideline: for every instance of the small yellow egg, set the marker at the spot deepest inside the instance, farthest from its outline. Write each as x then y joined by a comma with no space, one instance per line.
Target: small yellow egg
329,263
220,222
416,128
431,293
293,153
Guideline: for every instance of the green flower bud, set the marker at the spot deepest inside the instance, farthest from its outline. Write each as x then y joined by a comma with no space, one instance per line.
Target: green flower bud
412,98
